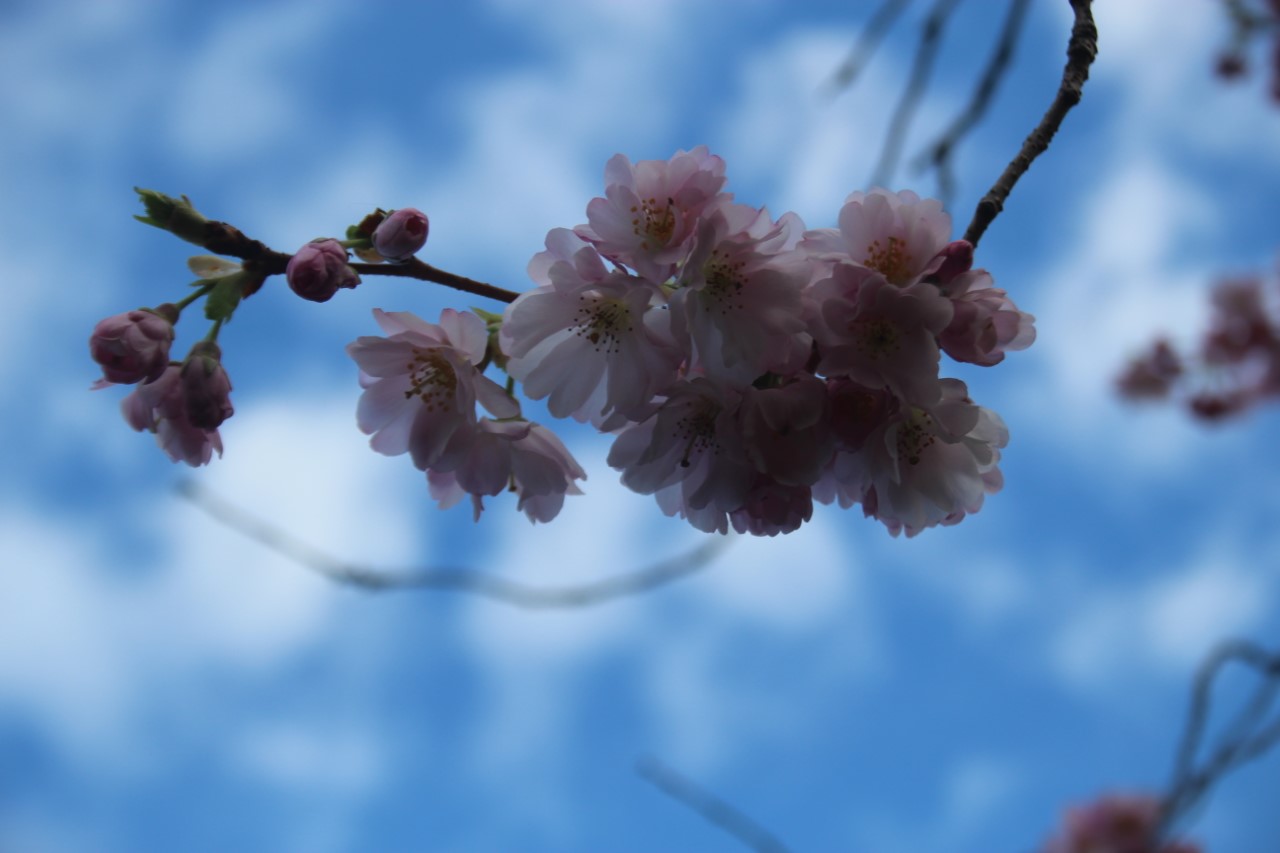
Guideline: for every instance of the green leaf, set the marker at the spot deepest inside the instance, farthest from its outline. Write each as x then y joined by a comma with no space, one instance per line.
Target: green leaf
225,296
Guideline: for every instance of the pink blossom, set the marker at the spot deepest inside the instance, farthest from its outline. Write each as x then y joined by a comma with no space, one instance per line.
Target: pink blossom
923,466
689,453
878,334
160,406
319,269
519,456
771,508
786,430
422,384
1117,823
740,308
401,235
134,346
651,210
206,386
588,341
986,324
899,235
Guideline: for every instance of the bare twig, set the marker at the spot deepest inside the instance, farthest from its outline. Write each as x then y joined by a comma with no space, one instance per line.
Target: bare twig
868,40
493,587
1243,740
938,155
708,806
914,91
1082,49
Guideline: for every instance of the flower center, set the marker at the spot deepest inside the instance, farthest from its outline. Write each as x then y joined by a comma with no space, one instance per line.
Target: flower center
697,431
602,321
432,379
890,259
915,436
653,222
877,338
723,279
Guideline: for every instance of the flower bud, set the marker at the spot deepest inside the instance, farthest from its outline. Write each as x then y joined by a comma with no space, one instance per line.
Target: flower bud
956,257
206,387
398,237
318,269
134,346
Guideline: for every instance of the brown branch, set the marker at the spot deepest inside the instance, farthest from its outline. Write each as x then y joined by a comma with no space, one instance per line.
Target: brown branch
938,155
926,53
868,40
415,268
493,587
1082,49
708,806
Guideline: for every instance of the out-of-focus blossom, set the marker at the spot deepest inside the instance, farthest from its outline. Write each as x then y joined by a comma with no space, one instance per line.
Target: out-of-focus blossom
589,341
206,386
786,430
651,210
160,406
422,383
134,346
1118,823
1150,376
401,235
319,269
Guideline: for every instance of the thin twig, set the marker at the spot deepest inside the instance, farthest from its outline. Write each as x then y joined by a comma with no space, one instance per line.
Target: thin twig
1082,49
926,52
868,40
493,587
708,806
415,268
1242,741
938,155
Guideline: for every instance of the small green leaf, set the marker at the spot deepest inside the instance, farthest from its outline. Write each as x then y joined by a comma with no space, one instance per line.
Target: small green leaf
225,296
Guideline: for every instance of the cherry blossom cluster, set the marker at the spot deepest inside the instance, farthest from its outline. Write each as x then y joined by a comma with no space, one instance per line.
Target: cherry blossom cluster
1118,823
1235,366
748,367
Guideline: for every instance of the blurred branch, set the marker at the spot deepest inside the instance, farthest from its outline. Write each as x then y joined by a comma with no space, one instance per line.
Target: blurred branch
1082,49
868,41
903,114
938,155
708,806
495,588
1247,737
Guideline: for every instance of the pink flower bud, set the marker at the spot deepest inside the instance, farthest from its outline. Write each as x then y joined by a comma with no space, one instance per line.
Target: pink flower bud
319,269
956,257
134,346
206,387
398,237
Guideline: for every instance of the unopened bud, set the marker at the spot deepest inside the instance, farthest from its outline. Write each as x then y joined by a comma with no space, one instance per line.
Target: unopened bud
175,215
319,269
398,237
134,346
956,257
206,387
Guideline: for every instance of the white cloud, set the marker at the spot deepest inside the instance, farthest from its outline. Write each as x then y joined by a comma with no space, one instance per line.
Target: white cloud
1166,625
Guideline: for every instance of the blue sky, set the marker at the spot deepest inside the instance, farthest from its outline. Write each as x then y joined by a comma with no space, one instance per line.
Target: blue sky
167,685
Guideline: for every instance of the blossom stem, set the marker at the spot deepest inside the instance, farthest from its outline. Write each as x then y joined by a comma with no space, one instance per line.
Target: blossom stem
1082,49
212,337
415,268
198,293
